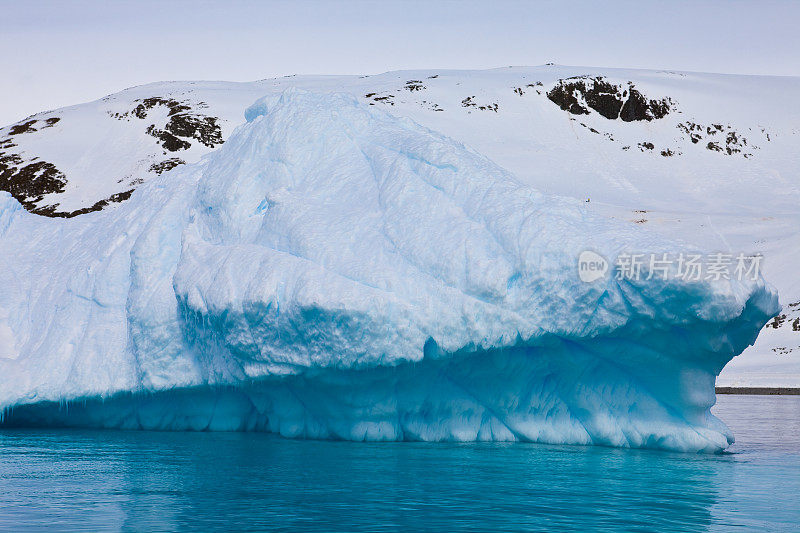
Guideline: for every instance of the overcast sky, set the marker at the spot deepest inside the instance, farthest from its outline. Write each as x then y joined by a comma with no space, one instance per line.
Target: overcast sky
57,53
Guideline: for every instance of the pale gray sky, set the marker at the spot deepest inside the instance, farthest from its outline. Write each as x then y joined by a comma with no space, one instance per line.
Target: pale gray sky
57,53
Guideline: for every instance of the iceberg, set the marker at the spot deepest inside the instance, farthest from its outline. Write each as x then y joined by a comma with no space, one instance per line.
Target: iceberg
333,271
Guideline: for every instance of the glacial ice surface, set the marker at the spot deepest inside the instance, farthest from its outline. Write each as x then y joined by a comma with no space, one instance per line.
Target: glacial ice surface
333,271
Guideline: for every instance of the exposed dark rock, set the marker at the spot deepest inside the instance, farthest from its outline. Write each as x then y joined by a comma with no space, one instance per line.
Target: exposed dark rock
733,143
606,104
563,95
726,140
29,182
204,129
383,98
535,86
168,140
184,123
469,101
637,107
28,126
50,210
603,97
431,105
167,164
414,85
694,131
22,127
592,129
776,322
581,94
646,146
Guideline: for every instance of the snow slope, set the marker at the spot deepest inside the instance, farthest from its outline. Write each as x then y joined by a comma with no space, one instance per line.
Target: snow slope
743,201
335,271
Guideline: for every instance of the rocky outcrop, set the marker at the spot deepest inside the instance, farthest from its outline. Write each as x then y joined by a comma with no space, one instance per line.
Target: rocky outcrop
583,94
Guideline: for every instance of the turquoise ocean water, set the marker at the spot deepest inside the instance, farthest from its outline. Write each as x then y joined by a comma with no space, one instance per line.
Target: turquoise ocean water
147,481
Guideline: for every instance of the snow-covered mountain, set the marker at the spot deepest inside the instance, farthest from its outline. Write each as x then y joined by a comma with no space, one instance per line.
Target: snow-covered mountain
709,159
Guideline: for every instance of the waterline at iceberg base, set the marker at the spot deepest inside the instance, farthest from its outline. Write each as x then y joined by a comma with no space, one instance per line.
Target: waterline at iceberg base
561,392
333,271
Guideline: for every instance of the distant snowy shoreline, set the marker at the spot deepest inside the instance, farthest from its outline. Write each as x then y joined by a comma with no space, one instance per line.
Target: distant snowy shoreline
759,391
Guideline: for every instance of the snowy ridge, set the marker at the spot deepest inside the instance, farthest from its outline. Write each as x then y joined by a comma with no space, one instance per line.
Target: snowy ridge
334,271
522,110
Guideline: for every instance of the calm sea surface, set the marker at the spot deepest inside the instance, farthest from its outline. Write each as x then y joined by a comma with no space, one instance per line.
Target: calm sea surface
117,480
